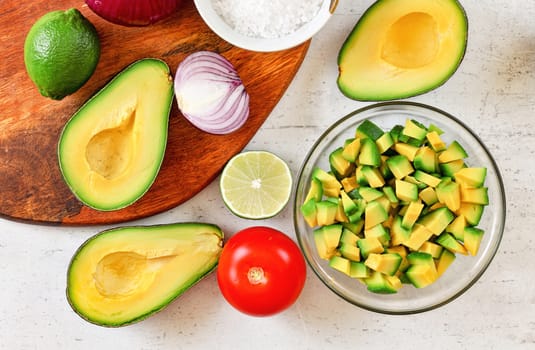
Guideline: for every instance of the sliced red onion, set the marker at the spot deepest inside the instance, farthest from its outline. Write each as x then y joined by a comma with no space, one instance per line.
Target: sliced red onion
210,93
133,12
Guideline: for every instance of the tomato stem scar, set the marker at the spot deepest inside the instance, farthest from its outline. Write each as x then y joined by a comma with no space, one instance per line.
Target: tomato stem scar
256,275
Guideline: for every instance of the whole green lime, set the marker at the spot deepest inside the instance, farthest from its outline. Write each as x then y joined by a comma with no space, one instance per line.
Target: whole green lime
61,52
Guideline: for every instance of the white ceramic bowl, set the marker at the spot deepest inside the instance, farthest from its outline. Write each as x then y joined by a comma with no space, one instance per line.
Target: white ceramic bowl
465,270
226,32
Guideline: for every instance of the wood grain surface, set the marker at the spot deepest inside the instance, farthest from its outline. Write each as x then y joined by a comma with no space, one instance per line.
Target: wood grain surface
31,186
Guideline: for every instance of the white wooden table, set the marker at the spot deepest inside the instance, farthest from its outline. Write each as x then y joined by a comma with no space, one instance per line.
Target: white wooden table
493,92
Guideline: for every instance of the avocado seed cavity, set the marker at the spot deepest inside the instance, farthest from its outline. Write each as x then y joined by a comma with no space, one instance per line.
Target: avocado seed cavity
123,273
412,41
110,151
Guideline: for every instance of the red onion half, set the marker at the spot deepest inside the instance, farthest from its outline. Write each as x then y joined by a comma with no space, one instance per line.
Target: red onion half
210,93
133,12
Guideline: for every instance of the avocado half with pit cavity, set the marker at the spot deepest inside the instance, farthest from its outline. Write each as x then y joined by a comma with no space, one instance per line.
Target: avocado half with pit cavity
402,48
111,149
123,275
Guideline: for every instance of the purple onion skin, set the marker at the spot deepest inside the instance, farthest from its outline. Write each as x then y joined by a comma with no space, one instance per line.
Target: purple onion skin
133,13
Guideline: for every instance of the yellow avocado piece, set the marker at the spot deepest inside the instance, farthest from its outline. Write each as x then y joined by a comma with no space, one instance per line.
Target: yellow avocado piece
111,149
124,275
402,48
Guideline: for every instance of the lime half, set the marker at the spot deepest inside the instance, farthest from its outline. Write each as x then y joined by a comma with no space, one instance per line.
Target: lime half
256,184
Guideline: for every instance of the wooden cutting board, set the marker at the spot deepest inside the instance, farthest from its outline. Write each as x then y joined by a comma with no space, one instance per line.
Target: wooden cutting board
31,186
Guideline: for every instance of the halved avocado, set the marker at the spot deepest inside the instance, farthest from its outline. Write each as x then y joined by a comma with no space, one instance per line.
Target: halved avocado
123,275
402,48
111,149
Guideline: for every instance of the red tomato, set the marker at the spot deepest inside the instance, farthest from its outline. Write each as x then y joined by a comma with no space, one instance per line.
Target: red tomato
261,271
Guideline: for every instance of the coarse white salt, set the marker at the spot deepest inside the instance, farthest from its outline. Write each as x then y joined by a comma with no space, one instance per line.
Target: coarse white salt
267,18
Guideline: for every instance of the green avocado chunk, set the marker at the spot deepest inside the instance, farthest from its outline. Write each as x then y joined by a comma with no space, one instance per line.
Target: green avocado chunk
111,149
123,275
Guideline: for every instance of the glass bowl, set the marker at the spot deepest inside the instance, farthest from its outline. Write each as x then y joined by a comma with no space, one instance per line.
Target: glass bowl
464,271
259,44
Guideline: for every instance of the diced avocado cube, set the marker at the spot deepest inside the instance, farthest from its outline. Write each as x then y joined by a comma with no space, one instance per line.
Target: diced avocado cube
414,209
358,270
418,236
437,220
370,194
340,167
454,152
449,193
426,178
398,234
414,130
351,150
406,191
394,281
349,205
380,232
472,177
456,227
421,275
330,184
444,261
396,132
332,234
420,258
340,263
449,169
340,214
435,141
349,251
387,263
369,245
478,195
324,252
407,150
373,176
327,239
326,211
472,239
402,251
422,270
428,196
426,160
384,142
384,169
400,166
349,183
374,214
355,227
449,242
471,212
368,129
359,177
349,237
390,194
309,211
378,283
369,153
315,190
431,248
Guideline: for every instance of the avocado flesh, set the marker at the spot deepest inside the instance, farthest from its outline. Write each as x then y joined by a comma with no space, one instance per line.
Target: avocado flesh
124,275
402,48
111,149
